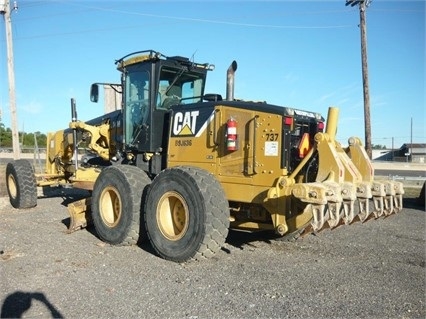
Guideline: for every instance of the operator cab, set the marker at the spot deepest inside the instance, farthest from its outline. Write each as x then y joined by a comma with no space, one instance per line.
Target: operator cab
152,83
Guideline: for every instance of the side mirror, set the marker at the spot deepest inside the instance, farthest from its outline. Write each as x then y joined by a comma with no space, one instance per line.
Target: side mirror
94,93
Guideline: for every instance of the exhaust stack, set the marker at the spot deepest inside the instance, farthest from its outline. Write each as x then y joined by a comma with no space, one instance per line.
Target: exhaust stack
230,74
74,135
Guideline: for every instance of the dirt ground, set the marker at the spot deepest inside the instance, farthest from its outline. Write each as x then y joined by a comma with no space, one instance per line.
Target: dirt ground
374,270
370,270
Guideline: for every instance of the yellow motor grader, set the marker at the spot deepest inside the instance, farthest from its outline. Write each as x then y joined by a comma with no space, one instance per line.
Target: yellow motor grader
181,167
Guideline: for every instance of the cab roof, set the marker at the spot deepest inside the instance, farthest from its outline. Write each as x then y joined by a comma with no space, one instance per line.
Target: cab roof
153,56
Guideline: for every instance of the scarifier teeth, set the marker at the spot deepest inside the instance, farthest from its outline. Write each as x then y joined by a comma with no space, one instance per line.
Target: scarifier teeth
388,205
319,217
349,197
379,193
378,206
399,191
398,203
333,203
389,198
335,213
392,199
363,209
349,210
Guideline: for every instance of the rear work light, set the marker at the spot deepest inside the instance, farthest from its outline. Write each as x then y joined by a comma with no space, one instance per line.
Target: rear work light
288,120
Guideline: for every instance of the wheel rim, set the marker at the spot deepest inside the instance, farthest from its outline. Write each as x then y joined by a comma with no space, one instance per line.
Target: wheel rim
110,206
172,216
11,185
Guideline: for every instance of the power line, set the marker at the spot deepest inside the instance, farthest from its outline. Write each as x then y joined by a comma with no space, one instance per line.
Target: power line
177,18
27,4
398,10
280,14
201,20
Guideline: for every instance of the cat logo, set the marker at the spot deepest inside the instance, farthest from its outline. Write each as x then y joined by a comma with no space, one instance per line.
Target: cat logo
185,123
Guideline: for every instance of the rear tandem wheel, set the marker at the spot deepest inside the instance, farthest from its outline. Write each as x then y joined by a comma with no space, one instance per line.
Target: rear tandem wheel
116,204
21,184
186,214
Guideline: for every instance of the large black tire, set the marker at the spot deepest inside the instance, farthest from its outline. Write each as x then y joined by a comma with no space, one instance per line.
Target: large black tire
21,184
116,204
186,214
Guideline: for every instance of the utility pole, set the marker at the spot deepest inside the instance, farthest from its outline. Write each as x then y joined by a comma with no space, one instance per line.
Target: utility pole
363,4
1,125
5,10
411,141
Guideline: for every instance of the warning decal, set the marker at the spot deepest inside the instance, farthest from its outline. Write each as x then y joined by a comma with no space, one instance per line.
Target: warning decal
271,148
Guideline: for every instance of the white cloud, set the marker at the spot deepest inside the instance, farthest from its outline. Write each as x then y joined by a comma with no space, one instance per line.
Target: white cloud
32,107
290,77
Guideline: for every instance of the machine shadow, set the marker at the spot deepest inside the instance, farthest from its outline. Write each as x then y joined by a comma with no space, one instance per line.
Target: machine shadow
68,195
236,238
414,203
16,304
239,239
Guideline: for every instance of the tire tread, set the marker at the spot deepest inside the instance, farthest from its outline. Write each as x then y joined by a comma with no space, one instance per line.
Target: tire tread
217,211
136,181
26,185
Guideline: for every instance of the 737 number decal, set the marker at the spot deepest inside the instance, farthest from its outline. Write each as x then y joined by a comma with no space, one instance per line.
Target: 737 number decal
272,137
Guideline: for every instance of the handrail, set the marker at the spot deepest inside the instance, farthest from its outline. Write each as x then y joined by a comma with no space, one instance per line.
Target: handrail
215,142
254,143
152,54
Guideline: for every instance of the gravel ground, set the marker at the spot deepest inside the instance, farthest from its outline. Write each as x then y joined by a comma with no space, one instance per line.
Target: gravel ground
371,270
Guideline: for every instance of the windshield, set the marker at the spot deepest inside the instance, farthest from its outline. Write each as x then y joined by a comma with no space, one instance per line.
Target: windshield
137,104
179,86
176,85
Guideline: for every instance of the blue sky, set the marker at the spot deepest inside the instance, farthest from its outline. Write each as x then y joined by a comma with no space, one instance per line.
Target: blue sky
302,54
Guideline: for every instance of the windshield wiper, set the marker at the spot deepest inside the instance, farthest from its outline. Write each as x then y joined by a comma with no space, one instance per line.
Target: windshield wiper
139,129
174,80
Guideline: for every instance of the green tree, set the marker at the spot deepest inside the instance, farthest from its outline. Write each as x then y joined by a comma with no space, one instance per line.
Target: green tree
5,136
26,139
378,147
41,139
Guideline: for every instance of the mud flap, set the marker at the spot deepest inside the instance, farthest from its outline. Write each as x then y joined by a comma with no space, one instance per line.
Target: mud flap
80,214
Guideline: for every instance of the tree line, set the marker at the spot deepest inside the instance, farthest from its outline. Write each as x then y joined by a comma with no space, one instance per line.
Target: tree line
25,139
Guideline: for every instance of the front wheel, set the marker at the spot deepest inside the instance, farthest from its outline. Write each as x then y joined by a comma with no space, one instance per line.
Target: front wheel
186,214
21,184
116,204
